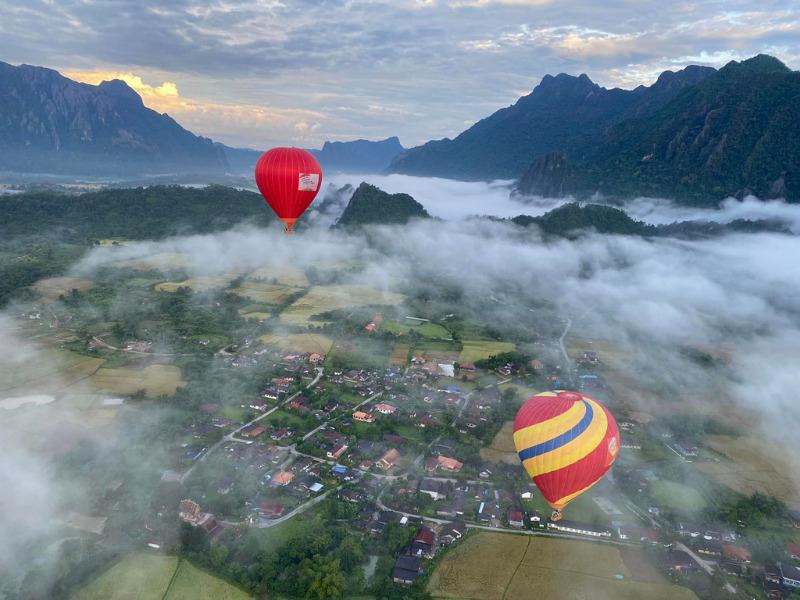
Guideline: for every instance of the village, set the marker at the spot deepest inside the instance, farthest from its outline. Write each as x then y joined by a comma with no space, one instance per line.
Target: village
403,445
409,437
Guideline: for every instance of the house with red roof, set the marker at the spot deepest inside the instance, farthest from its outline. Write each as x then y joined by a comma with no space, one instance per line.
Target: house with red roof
516,518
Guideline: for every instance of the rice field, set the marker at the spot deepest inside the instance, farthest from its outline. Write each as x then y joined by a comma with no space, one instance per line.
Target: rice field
324,298
190,583
433,331
477,349
495,566
138,576
300,342
679,497
267,293
198,284
287,275
156,380
399,356
751,468
60,370
52,287
502,447
145,576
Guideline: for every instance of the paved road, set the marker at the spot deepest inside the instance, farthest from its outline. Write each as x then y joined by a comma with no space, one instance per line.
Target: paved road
266,524
231,437
535,532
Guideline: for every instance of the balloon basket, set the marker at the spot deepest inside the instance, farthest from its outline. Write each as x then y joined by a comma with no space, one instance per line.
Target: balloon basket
556,516
288,230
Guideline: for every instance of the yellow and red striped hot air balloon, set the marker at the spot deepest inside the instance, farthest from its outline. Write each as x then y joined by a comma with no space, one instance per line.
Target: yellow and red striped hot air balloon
566,441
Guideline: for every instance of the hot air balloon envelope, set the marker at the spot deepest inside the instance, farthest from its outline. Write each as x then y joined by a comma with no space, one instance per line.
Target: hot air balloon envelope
566,441
289,179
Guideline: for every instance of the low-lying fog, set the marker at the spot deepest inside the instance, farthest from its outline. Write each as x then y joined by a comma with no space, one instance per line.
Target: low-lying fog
653,297
454,200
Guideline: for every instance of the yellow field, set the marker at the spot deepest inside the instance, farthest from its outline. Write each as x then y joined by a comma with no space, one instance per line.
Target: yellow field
138,576
198,284
156,380
266,293
494,566
300,342
284,274
323,298
477,349
52,287
752,468
144,576
502,447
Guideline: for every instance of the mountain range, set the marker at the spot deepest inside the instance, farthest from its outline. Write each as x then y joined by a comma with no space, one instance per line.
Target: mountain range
696,135
50,124
563,113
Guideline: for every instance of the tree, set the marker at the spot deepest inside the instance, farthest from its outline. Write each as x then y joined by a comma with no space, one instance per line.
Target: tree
193,539
351,554
326,579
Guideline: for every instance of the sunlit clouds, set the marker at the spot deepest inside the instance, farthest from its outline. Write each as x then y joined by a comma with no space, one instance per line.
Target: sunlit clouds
302,71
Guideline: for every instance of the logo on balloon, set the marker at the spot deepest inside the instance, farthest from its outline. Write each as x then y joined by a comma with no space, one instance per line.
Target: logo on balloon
613,447
308,182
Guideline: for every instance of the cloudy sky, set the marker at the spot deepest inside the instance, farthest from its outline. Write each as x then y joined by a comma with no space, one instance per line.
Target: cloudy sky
262,72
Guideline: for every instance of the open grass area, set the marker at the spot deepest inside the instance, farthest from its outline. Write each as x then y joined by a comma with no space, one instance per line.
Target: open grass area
477,349
429,330
608,353
145,576
502,447
752,467
677,496
494,566
190,583
138,576
156,380
52,287
364,352
324,298
300,342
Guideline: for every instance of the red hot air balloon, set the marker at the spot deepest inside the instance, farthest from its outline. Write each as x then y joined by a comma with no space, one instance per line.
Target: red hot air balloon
289,179
566,441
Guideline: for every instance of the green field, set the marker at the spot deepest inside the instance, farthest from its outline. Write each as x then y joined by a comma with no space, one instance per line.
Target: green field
477,349
677,496
428,330
145,576
494,566
138,576
190,583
